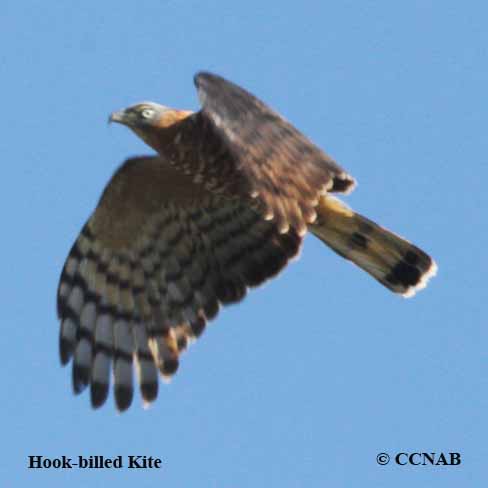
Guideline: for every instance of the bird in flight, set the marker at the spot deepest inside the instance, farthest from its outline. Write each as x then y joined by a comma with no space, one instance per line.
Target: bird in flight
222,206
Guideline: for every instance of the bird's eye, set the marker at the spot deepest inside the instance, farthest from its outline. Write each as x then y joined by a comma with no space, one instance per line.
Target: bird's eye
147,113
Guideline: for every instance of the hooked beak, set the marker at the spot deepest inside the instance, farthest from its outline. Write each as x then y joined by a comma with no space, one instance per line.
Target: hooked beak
120,117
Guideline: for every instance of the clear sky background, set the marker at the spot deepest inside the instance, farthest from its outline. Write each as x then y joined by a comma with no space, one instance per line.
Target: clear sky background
305,382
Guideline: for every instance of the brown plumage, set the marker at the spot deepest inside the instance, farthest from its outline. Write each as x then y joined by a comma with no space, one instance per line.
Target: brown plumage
223,207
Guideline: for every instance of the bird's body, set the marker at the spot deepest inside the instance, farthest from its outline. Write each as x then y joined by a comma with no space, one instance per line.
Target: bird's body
221,208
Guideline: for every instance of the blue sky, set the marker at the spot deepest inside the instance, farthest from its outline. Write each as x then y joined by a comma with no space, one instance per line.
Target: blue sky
305,382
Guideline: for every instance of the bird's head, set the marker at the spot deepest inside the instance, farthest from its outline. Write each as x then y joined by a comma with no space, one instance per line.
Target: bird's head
149,120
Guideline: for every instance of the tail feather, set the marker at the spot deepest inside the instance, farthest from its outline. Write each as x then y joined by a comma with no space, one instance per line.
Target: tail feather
396,263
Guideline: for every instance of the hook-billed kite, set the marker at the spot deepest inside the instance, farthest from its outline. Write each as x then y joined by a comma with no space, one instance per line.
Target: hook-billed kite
222,207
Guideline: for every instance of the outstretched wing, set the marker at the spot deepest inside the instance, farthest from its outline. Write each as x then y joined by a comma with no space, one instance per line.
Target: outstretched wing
150,267
285,171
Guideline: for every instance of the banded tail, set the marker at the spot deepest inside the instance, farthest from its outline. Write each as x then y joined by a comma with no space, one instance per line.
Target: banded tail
396,263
